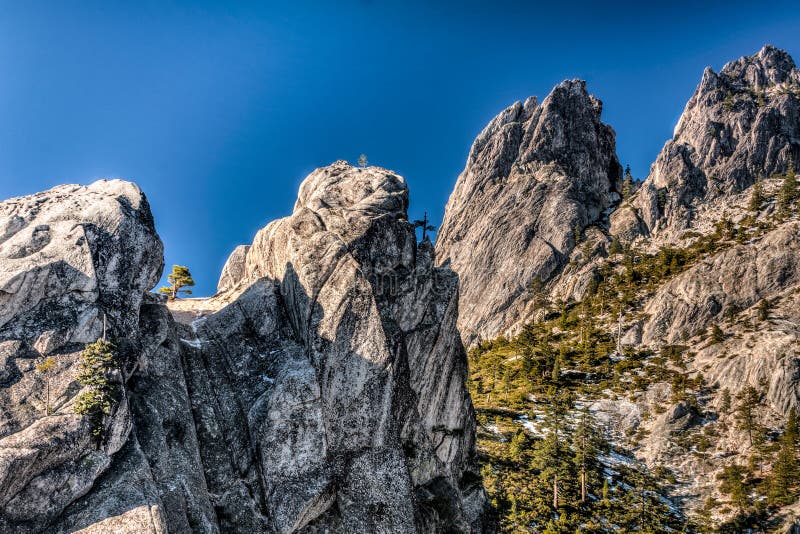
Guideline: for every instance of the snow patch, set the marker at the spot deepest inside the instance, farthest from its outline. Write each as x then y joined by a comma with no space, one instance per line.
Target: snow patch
196,343
197,323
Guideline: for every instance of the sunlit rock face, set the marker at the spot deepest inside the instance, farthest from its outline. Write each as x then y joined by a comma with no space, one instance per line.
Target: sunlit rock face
71,258
535,174
741,124
322,390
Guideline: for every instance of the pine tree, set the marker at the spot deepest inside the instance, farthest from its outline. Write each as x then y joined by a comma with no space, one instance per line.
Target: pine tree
586,445
551,452
362,160
757,197
627,183
45,369
792,432
555,374
179,278
615,247
97,363
538,295
577,234
763,310
785,469
605,493
788,193
734,484
726,401
717,335
749,400
425,225
517,445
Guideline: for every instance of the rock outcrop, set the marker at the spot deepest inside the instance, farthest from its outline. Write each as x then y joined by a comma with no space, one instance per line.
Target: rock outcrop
233,270
364,423
741,123
71,256
534,175
736,279
324,390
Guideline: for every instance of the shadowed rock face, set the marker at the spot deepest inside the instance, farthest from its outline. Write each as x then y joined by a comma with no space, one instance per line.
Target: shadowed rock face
740,123
534,174
363,338
325,389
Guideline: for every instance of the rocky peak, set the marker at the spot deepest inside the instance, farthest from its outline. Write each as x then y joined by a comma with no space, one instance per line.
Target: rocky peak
534,174
363,190
767,68
739,124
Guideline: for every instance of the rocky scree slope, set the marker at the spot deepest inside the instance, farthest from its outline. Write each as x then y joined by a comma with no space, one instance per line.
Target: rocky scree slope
534,175
322,390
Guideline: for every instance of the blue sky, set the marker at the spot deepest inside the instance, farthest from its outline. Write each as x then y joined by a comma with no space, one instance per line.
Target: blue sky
219,110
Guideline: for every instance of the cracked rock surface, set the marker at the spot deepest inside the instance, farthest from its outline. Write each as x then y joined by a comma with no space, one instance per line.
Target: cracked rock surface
323,389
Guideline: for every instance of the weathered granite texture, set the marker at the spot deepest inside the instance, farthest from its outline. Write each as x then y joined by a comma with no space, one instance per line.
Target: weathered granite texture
535,175
324,391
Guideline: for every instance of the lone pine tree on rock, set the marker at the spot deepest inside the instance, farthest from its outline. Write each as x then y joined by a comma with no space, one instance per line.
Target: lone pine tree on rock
423,223
44,368
179,278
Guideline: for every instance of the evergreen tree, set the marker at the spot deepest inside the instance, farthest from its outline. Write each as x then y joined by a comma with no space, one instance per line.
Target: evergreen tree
749,400
577,234
661,199
425,225
555,374
45,369
788,193
726,401
550,456
785,470
586,445
717,335
97,364
792,432
362,160
605,493
179,278
734,484
615,247
517,445
538,295
627,183
757,196
763,310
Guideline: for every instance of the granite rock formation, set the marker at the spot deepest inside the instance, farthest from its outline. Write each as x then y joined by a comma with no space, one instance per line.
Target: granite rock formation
323,390
535,175
740,124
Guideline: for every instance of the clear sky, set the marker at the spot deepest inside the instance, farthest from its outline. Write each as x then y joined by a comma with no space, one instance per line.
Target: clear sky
219,110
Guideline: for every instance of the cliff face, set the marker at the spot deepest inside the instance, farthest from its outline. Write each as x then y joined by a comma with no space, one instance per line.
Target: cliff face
324,389
741,123
365,423
534,175
70,256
